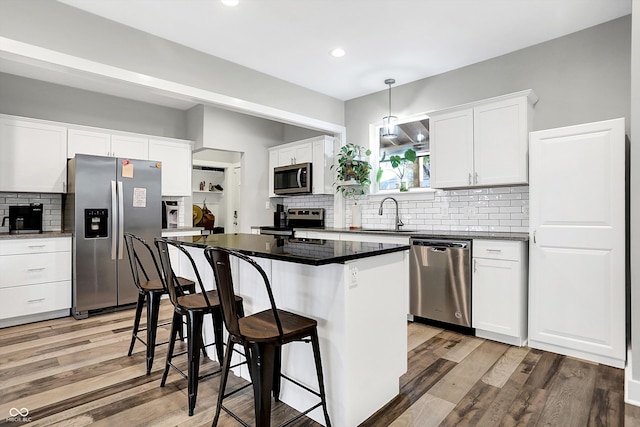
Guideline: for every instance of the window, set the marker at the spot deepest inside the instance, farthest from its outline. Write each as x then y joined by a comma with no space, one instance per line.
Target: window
411,135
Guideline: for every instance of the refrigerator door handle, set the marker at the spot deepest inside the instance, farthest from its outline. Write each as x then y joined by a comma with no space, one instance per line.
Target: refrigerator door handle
114,219
120,220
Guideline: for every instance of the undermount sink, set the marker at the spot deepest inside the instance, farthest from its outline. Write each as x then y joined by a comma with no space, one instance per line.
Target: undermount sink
382,230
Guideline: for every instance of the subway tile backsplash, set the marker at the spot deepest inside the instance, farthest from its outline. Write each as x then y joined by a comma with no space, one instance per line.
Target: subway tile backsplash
499,209
51,203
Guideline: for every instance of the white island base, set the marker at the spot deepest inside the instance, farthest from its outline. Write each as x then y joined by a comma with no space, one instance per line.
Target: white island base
361,309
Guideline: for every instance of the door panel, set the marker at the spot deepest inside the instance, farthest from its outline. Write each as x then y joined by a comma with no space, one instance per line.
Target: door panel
143,221
577,258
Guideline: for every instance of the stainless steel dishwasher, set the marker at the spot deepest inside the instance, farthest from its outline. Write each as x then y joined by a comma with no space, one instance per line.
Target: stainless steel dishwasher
440,280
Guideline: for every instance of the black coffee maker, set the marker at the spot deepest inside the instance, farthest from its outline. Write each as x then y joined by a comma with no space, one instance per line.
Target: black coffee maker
25,219
280,217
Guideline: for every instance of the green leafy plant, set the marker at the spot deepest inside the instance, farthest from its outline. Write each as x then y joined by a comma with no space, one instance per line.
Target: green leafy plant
352,170
398,165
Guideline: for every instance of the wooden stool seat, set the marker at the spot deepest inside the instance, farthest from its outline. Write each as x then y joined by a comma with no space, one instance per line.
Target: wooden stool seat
261,327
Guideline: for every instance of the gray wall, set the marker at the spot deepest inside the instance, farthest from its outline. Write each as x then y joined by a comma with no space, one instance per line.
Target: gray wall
48,101
252,136
59,27
580,78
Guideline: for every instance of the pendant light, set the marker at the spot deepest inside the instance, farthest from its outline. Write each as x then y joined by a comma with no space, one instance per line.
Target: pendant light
389,123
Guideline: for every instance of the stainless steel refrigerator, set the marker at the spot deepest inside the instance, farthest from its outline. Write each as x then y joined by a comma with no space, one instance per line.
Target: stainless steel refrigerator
106,197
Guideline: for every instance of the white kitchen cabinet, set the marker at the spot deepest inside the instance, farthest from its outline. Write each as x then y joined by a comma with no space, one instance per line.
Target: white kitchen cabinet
499,296
318,151
298,153
482,144
36,279
34,156
97,143
176,161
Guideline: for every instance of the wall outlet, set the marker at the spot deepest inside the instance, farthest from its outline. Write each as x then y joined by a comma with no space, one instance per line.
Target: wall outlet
444,210
354,275
267,205
470,211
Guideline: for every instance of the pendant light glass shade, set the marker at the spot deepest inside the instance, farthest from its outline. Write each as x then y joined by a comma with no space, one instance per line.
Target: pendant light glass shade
389,123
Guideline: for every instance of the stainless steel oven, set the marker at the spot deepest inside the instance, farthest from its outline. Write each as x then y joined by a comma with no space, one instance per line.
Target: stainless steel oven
440,280
292,179
297,218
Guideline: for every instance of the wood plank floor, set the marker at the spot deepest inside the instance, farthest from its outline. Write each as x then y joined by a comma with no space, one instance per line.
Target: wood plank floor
76,373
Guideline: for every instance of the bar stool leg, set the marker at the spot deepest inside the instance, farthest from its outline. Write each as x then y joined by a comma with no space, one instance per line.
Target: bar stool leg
217,333
176,324
262,359
277,367
153,309
194,319
223,379
316,356
136,322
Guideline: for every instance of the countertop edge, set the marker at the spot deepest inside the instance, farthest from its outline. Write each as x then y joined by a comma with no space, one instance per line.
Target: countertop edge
43,235
428,234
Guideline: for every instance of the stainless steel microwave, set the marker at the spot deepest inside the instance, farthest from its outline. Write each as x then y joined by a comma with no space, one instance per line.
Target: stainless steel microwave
292,179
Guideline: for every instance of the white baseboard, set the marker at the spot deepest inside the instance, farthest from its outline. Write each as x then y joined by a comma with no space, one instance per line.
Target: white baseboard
631,386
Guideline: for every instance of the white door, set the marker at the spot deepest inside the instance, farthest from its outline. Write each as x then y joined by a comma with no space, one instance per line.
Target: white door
577,256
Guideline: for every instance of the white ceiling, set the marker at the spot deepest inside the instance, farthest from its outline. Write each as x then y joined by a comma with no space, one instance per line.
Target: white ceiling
403,39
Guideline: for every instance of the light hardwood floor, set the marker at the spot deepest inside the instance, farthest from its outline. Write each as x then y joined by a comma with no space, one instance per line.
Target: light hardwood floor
74,373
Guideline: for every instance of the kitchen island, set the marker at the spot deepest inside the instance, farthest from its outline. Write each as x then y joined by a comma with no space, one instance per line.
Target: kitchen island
354,290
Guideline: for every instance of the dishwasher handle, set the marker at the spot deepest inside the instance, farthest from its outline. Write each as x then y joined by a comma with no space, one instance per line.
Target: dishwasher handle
441,245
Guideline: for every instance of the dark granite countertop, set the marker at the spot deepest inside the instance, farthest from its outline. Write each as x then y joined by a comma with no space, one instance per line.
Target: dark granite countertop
302,251
428,233
43,235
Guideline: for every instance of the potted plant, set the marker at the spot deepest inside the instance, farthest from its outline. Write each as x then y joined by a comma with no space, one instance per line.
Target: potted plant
398,166
353,172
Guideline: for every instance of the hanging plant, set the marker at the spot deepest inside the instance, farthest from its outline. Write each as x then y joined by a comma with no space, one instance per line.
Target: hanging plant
352,170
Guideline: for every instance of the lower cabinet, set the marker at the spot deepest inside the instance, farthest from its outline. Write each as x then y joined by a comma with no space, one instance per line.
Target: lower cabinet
499,295
35,283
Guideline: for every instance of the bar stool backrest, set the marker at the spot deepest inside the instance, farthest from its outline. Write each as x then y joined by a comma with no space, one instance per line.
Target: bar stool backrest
220,260
171,282
137,267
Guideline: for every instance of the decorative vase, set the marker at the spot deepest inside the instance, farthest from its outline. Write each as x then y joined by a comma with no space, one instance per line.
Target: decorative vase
356,217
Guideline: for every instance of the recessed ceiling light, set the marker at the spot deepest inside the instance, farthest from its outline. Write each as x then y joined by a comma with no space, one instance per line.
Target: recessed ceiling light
337,52
230,2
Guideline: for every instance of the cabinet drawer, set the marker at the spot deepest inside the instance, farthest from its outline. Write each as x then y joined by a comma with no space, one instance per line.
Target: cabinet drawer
33,299
28,269
498,249
32,246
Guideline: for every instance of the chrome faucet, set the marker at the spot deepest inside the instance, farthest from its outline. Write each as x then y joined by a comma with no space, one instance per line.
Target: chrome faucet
399,223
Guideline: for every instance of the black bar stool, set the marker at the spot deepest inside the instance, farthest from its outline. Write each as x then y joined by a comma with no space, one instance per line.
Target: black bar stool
262,335
194,307
149,291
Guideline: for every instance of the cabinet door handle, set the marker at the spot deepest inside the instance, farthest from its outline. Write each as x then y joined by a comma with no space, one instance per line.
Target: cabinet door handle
475,178
534,236
36,246
469,178
475,265
494,250
36,300
36,269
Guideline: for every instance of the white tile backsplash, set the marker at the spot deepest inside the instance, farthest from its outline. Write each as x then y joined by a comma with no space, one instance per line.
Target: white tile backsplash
500,209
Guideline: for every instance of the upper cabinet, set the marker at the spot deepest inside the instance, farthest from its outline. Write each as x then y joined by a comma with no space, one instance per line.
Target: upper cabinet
84,141
176,161
34,156
482,144
318,151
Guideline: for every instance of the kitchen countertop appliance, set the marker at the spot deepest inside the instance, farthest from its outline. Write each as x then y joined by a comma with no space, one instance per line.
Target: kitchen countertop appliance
25,218
297,218
107,196
440,281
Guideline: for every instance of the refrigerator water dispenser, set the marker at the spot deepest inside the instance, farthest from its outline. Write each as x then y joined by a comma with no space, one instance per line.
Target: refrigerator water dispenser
95,223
